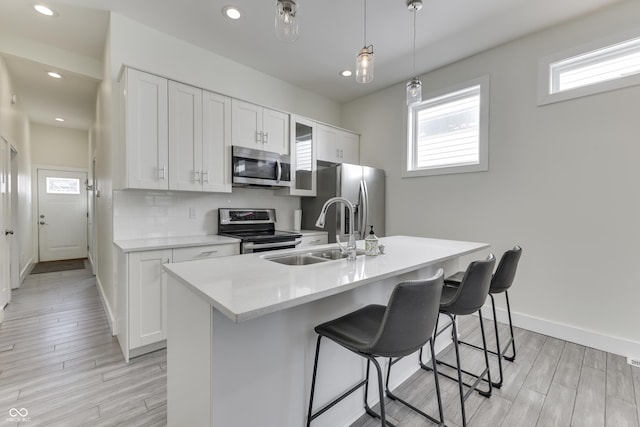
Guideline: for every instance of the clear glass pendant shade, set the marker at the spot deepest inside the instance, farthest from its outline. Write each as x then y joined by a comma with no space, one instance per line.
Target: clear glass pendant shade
414,91
286,21
364,65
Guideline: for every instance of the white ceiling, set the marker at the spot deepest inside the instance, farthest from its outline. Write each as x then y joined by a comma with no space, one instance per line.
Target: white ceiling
331,33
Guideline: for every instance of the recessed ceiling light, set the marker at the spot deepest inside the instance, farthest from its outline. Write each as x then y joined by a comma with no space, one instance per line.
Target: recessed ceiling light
231,12
40,8
346,73
58,119
54,75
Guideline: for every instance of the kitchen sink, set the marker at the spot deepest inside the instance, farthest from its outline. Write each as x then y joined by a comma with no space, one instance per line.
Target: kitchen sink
298,259
330,254
313,257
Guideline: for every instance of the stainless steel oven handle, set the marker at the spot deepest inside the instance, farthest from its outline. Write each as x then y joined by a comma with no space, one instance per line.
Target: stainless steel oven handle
271,245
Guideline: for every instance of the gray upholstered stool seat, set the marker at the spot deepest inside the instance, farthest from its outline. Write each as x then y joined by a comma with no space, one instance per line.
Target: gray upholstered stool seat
401,328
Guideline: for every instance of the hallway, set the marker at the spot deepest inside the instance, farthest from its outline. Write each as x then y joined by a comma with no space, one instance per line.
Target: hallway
59,361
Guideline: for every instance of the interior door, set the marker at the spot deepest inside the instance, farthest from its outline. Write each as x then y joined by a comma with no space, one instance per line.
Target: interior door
4,226
62,214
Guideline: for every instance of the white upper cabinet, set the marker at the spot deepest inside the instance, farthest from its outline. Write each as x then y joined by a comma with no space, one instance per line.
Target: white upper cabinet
198,140
146,134
185,137
216,142
337,145
259,127
303,158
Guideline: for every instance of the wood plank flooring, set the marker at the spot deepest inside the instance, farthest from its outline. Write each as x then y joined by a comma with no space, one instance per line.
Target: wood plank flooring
59,361
551,383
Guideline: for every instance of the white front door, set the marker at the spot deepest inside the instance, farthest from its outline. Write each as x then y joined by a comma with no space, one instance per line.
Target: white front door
62,214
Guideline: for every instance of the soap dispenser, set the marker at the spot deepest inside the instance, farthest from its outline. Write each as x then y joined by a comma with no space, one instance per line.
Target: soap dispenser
371,243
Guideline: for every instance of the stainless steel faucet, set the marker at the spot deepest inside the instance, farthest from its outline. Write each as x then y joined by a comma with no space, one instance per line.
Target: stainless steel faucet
350,249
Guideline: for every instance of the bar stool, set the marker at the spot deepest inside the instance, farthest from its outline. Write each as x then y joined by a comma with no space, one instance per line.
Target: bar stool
466,298
500,283
402,327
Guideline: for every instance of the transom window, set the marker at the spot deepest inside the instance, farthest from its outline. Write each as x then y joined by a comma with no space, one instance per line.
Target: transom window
448,131
63,185
597,67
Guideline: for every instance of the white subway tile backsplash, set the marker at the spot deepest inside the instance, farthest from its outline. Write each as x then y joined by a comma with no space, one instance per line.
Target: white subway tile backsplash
139,214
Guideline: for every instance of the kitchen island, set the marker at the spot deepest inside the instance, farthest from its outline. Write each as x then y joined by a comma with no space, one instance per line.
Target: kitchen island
240,341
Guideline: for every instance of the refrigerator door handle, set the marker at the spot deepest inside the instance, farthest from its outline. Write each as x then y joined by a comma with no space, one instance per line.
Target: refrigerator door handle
365,208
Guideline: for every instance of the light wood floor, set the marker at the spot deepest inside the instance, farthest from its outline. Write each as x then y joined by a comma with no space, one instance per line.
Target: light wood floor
551,383
59,361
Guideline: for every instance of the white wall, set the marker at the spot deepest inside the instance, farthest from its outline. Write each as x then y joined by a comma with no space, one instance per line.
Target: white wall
57,146
562,182
14,126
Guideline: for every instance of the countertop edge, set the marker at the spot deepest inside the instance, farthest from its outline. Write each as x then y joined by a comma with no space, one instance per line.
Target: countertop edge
139,245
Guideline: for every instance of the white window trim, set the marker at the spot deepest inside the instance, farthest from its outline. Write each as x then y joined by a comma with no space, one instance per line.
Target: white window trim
544,72
483,164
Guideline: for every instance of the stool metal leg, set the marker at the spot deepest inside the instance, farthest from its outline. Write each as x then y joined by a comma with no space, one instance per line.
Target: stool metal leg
381,416
392,396
311,416
513,342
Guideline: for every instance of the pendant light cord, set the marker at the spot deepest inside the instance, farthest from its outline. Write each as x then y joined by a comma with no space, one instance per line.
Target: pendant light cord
365,23
414,42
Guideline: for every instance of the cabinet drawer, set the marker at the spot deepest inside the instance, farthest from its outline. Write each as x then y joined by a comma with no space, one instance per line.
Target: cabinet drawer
203,252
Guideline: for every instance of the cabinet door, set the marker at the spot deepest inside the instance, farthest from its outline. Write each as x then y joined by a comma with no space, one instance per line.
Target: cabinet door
246,124
275,128
327,139
146,134
216,143
348,147
185,137
147,297
303,157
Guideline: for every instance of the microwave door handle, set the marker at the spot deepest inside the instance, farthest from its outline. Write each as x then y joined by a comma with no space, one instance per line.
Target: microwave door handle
279,173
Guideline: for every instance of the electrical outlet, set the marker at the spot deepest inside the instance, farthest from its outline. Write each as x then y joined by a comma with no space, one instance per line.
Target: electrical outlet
192,213
633,362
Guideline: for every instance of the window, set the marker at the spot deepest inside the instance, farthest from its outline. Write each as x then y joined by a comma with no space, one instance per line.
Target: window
63,185
448,131
598,67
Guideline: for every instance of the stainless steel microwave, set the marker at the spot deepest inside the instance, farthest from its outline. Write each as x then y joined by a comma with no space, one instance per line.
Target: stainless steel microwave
260,168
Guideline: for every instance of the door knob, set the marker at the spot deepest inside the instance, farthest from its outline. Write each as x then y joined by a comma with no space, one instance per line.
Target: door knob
7,232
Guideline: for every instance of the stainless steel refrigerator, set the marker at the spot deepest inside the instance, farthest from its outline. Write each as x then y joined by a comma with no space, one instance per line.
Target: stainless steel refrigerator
361,185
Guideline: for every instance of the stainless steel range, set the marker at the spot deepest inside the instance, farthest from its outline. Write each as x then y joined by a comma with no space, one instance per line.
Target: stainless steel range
256,228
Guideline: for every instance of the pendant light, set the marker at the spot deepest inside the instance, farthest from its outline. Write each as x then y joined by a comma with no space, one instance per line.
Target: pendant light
286,20
414,86
364,59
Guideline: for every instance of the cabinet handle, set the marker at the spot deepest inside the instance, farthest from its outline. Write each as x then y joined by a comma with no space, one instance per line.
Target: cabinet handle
196,176
205,177
265,140
209,252
258,137
342,154
161,173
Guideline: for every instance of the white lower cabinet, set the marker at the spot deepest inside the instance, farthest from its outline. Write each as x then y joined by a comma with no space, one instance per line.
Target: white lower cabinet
144,314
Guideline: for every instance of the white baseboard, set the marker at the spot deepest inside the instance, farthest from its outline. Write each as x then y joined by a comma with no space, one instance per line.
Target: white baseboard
26,270
611,344
107,309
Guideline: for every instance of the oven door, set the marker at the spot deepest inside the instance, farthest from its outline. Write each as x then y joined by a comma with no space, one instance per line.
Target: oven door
255,167
253,247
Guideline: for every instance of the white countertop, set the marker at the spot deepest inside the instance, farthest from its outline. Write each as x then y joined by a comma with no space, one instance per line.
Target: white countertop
247,286
136,245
